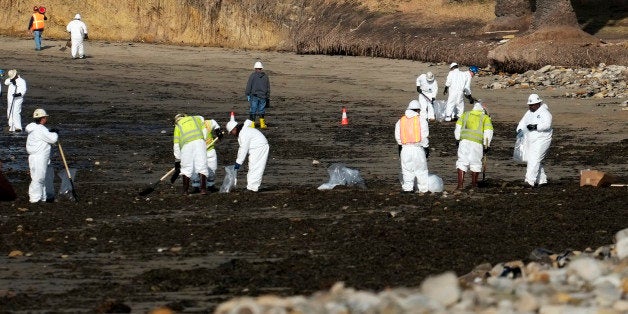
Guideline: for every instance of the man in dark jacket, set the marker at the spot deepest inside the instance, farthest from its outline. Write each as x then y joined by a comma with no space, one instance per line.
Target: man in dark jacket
258,94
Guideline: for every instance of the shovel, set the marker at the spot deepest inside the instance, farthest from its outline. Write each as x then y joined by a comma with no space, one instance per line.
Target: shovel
149,189
67,44
484,162
67,170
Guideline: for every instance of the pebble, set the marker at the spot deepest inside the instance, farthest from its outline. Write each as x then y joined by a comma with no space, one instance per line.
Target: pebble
603,81
588,281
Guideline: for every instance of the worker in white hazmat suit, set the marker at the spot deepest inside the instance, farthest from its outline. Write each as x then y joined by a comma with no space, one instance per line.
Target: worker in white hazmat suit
1,76
253,143
474,131
190,150
537,126
411,133
15,97
427,87
457,86
78,33
212,133
38,145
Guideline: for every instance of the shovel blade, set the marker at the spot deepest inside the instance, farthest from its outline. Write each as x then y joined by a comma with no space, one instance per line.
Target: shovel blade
147,191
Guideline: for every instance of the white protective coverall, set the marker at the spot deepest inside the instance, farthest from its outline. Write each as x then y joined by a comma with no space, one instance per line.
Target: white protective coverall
470,153
459,84
212,157
429,89
77,30
38,144
193,155
412,157
255,144
14,104
537,142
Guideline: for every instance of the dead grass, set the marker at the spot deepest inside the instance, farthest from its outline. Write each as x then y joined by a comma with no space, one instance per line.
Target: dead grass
426,30
435,12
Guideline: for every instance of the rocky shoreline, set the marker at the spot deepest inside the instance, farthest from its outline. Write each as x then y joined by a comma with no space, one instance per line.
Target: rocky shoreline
588,281
603,81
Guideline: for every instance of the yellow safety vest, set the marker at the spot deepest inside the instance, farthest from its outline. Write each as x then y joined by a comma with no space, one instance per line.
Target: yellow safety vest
188,129
473,124
210,134
410,130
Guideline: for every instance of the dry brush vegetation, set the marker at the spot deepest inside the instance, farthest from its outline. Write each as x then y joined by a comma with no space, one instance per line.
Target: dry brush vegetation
429,30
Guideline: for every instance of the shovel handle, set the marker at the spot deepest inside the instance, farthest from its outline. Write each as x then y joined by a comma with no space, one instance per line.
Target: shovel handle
212,142
65,163
167,174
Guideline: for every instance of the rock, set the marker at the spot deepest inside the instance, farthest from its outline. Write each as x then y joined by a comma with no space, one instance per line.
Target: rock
621,234
496,86
16,253
442,288
544,69
622,248
587,268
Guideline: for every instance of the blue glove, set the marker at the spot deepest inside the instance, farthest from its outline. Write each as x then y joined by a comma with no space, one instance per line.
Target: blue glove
236,166
248,97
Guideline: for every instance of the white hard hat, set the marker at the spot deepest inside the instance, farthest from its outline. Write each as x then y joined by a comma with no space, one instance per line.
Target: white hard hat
478,105
430,76
452,65
77,16
258,65
179,116
414,105
230,125
38,113
12,74
534,99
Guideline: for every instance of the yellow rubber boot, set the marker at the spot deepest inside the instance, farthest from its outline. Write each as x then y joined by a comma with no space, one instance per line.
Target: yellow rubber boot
262,123
253,124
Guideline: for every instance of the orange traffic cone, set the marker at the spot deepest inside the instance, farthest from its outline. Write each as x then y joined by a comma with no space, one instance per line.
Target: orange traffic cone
232,118
345,120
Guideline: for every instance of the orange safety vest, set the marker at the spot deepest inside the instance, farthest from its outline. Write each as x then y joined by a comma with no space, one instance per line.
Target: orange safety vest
38,21
410,130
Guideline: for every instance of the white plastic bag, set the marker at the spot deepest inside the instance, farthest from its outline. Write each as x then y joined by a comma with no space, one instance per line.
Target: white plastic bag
230,181
339,174
434,183
519,154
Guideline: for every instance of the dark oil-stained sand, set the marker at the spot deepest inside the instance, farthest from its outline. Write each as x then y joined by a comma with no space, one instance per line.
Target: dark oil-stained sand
114,250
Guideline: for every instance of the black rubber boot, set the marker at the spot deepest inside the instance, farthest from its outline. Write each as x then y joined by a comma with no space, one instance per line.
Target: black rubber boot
203,184
186,185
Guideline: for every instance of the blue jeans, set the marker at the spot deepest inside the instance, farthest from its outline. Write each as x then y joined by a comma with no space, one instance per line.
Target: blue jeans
258,106
37,35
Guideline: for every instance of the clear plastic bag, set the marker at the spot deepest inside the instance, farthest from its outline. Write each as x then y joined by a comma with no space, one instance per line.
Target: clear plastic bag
439,110
339,174
230,181
65,191
519,154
